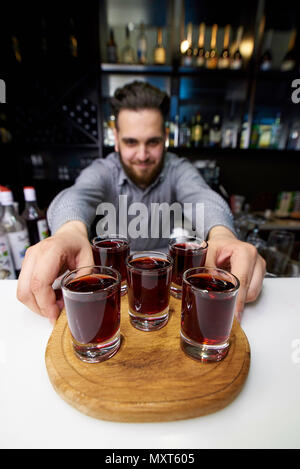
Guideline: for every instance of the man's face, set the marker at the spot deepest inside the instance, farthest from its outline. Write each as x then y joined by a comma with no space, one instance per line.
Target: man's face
140,141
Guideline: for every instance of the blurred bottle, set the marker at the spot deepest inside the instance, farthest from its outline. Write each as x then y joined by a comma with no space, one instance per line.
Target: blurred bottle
245,133
197,132
237,60
142,46
128,55
215,134
34,217
290,59
7,270
224,60
184,134
199,53
73,45
187,47
294,137
111,49
159,51
205,135
267,57
212,55
16,48
276,132
15,228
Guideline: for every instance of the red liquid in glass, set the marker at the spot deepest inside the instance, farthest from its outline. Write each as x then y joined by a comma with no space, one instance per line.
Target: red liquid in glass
148,293
207,320
185,256
112,253
97,319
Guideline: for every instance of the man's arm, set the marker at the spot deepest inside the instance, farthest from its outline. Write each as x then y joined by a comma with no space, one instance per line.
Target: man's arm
192,188
69,215
79,202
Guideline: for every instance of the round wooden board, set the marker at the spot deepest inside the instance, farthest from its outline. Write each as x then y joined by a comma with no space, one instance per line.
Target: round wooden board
150,379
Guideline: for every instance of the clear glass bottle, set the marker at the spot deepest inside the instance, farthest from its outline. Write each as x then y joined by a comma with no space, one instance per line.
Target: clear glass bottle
35,219
215,134
237,60
15,228
142,46
267,57
128,55
7,271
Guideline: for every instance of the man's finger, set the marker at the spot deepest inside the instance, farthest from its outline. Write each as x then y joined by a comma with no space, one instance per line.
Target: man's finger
242,266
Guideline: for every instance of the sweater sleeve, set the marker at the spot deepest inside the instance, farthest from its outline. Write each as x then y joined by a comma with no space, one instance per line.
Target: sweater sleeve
191,188
80,201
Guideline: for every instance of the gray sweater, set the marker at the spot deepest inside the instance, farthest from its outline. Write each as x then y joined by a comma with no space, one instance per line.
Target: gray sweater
145,212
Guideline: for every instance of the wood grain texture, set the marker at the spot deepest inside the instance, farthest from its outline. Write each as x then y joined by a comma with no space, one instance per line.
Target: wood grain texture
150,379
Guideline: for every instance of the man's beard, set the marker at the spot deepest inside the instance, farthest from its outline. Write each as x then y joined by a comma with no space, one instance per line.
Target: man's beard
143,180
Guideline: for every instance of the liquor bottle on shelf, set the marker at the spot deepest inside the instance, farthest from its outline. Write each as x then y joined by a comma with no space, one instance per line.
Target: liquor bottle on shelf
159,51
184,134
276,132
73,45
293,142
34,217
187,48
16,48
197,132
15,228
290,59
212,55
199,52
128,55
224,60
205,135
215,132
142,46
174,132
267,57
237,60
7,271
111,49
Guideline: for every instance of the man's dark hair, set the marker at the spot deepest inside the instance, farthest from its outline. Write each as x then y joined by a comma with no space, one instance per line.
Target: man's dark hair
139,95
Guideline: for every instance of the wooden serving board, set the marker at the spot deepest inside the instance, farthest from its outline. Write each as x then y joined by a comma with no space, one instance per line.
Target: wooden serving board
150,379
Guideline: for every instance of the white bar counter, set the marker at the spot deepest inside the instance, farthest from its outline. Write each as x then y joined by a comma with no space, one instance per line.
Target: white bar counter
266,414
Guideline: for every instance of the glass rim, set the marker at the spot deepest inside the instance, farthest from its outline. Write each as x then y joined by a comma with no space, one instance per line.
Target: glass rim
147,254
111,269
208,268
195,238
110,236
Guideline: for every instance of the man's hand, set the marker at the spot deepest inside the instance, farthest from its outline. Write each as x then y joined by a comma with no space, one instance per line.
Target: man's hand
241,259
68,248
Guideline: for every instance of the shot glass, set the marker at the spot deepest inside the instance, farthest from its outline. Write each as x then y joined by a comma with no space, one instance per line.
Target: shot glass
149,276
207,312
187,252
92,301
111,251
278,253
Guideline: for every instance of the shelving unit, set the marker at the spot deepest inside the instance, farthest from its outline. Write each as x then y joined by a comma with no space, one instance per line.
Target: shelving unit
42,93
